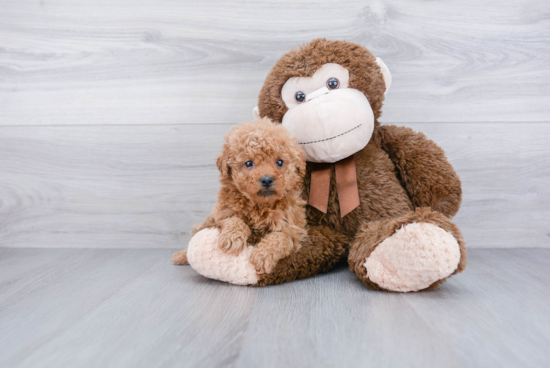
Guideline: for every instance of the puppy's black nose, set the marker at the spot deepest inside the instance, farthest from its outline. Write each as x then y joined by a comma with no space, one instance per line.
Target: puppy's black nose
266,181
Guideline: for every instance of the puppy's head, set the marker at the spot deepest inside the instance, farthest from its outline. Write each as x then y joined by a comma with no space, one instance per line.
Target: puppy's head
262,161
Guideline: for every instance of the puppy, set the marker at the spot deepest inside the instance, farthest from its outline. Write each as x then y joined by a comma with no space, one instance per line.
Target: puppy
259,203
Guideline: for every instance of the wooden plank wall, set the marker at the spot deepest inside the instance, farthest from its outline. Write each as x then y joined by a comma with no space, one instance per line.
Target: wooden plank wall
112,112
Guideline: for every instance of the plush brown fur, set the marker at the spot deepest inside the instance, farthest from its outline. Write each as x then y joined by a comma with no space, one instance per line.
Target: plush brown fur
402,176
246,212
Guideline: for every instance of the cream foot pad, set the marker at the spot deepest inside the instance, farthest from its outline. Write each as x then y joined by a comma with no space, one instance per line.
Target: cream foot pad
413,258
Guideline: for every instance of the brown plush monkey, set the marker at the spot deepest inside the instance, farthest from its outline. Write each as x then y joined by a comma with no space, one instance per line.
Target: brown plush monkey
380,196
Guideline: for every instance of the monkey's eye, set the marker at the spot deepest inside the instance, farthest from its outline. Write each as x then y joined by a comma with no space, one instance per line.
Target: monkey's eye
249,164
279,163
333,83
300,96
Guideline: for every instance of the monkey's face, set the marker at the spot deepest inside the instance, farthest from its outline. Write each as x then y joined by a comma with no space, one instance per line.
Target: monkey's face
328,94
329,120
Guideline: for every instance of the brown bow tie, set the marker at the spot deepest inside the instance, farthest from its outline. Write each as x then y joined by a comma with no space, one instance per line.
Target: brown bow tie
346,184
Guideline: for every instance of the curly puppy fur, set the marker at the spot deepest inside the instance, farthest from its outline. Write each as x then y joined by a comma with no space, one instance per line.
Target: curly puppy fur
399,173
272,217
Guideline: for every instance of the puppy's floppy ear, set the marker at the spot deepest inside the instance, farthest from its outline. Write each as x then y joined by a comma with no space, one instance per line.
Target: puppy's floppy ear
222,162
300,157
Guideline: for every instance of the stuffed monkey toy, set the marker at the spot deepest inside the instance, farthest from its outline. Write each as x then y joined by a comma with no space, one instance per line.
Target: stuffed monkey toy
380,197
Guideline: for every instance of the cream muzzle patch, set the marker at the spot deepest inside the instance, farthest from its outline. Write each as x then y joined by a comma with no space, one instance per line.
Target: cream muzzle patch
332,126
329,120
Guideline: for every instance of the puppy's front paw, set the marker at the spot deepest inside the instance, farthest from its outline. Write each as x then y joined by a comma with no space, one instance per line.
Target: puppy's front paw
232,242
263,260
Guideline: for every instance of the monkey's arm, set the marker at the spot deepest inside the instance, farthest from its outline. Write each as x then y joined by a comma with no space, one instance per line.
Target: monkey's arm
320,251
423,169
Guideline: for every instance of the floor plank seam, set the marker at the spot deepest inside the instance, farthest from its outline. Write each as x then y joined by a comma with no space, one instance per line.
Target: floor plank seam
50,263
67,327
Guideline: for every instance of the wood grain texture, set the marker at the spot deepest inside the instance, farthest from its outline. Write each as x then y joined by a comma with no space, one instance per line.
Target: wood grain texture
477,303
96,62
132,308
332,320
169,316
505,180
145,186
115,186
11,265
42,303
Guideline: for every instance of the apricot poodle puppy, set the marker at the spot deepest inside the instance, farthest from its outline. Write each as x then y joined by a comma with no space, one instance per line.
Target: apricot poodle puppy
260,202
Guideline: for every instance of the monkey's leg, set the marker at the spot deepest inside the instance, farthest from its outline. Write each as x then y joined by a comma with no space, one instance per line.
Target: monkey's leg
415,252
320,252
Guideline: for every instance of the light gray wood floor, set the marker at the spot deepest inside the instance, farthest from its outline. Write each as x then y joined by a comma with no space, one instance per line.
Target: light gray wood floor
133,308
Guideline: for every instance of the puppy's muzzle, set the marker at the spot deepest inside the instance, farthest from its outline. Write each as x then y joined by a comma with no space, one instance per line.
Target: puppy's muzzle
266,181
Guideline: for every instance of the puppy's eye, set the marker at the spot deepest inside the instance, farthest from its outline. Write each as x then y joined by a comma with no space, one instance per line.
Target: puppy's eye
300,96
279,163
249,164
333,83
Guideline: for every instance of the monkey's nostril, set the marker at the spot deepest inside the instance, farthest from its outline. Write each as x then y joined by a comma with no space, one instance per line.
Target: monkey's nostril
266,181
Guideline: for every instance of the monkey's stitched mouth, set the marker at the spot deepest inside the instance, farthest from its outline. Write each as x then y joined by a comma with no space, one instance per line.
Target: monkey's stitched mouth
336,136
266,193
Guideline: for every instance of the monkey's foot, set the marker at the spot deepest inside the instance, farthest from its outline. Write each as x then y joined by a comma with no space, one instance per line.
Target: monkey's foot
415,257
415,252
205,256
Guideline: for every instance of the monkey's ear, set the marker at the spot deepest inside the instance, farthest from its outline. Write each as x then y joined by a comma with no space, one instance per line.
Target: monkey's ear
256,112
385,73
222,162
